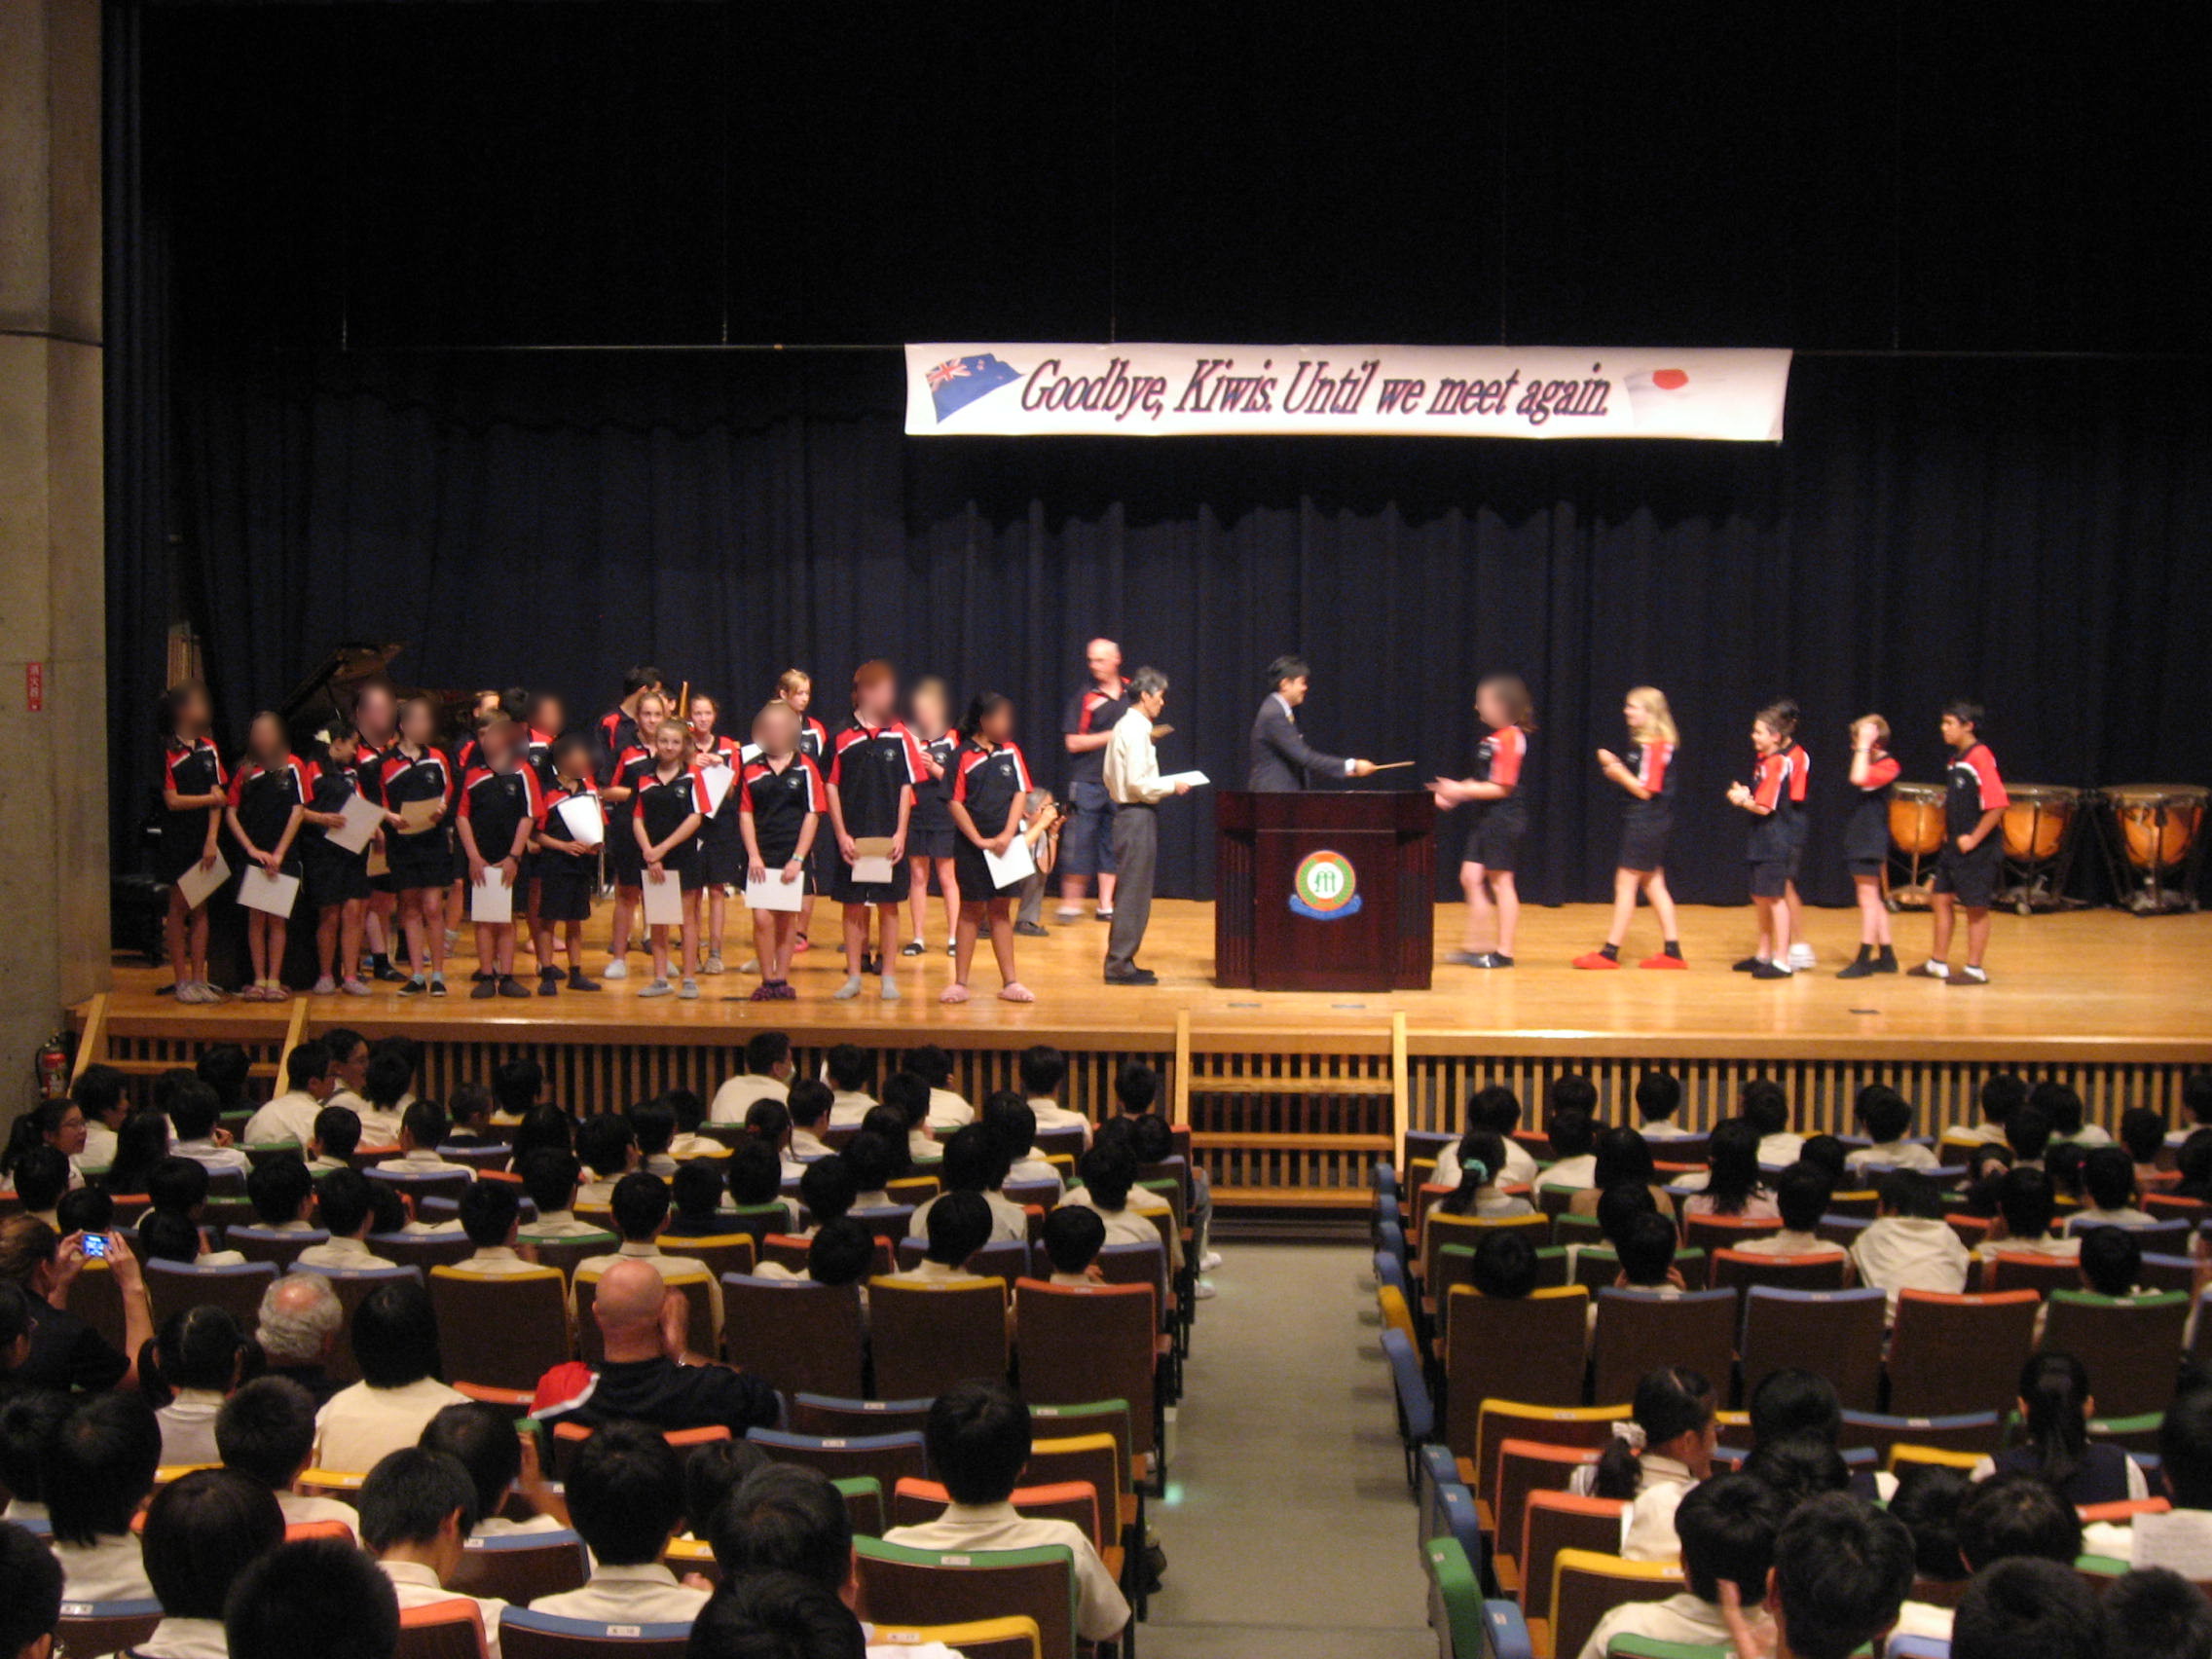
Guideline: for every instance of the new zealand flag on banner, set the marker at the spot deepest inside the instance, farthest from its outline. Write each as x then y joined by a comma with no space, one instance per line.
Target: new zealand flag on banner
958,382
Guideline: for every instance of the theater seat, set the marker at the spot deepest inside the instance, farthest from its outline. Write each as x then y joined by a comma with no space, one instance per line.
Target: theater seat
1455,1599
441,1630
1959,1353
984,1639
924,1587
1586,1586
105,1627
525,1635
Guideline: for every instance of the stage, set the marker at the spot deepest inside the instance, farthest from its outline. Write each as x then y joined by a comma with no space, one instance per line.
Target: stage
2113,1002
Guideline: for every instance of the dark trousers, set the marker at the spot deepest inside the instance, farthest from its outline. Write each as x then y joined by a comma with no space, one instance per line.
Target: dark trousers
1136,859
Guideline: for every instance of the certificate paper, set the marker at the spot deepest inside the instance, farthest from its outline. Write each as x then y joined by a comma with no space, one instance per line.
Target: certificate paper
1197,779
871,859
364,818
718,780
200,884
1015,863
774,893
583,821
664,899
492,900
418,815
275,894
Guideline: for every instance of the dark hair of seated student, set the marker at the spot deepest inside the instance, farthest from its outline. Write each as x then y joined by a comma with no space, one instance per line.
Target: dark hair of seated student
2155,1613
179,1186
696,1194
1012,1123
100,1467
1495,1108
888,1125
395,1336
828,1186
687,1108
1798,1466
808,1102
1109,1172
959,1224
1732,1167
767,1120
482,1439
1927,1500
841,1252
1074,1234
1505,1266
2001,1093
1568,1088
1137,1086
932,1064
2017,1515
977,1437
874,1159
972,1162
201,1530
550,1175
1658,1096
1842,1570
2027,1203
413,1494
784,1518
1623,1156
1574,1132
2066,1162
625,1493
850,1067
390,1075
1829,1155
755,1174
42,1176
653,1124
1482,1165
321,1596
1910,1194
2028,1610
489,1213
197,1348
1727,1525
471,1108
1794,1401
2108,1176
1886,1113
2142,1131
711,1472
29,1418
165,1236
279,1190
1646,1250
1764,1106
88,1209
776,1615
2060,1103
2185,1447
1801,1194
2055,1406
2027,1132
639,1205
2111,1260
142,1144
1618,1205
909,1094
30,1592
543,1128
266,1430
604,1142
516,1085
1673,1413
338,1131
1151,1138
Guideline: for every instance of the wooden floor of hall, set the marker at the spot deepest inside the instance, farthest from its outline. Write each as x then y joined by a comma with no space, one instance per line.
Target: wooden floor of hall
2087,986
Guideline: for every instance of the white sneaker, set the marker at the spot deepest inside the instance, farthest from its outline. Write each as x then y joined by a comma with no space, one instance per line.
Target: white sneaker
751,964
888,988
713,965
354,988
191,991
658,989
325,986
1202,1292
1067,914
1210,1261
689,990
617,968
1801,955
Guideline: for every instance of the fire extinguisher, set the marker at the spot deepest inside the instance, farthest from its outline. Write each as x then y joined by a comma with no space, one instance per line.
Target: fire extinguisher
53,1068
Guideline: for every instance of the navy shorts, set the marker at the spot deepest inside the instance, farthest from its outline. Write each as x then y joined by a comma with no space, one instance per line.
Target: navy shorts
1969,877
1494,842
1770,877
1086,840
1643,843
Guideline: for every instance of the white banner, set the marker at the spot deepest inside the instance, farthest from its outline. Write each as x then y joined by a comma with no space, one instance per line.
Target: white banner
1473,392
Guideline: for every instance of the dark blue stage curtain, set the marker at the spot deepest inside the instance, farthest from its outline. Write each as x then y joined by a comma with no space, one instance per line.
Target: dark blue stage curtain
2034,534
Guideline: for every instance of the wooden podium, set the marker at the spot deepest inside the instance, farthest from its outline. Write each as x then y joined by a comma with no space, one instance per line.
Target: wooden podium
1324,891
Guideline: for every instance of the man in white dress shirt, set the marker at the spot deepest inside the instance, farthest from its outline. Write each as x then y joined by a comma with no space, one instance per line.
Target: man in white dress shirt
767,1076
308,1089
417,1509
396,1342
625,1493
1136,788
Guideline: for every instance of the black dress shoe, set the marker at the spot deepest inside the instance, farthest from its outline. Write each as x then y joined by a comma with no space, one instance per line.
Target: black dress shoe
1032,930
1134,976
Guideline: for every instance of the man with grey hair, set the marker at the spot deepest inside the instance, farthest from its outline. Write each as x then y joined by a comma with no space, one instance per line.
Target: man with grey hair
1133,781
1085,729
298,1332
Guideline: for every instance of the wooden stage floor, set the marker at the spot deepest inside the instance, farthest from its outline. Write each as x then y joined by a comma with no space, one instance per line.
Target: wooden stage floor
2091,985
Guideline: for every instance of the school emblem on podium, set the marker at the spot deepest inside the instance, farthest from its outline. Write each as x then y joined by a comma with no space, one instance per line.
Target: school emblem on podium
1325,887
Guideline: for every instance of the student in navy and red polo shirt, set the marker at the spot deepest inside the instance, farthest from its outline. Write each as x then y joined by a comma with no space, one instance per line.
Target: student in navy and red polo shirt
337,880
670,806
1501,818
268,796
930,838
194,789
564,869
501,803
721,849
545,717
618,792
621,728
1647,772
376,721
780,800
794,687
1087,843
874,768
1972,857
990,793
1866,843
1768,800
1800,828
415,771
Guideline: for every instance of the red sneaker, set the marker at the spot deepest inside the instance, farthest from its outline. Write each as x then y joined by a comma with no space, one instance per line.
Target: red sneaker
1596,959
1663,960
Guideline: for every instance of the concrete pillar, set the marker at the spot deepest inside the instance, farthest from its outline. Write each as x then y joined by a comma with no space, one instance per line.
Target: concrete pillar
54,852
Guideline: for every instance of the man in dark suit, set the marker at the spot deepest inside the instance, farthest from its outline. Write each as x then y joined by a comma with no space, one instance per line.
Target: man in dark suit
1283,761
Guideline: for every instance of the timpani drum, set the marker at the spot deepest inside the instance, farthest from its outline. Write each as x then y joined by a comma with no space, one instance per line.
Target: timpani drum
2156,835
2038,830
1916,828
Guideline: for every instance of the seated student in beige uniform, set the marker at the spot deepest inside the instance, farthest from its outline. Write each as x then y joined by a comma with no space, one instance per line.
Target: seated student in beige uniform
2062,1104
94,1476
809,1106
640,1212
826,1194
712,1473
1766,1108
1013,1125
308,1089
384,1097
973,1164
2108,1180
841,1252
1624,1157
960,1225
978,1438
1573,1133
653,1122
166,1236
1497,1109
102,1093
1644,1243
1482,1160
199,1355
755,1177
2195,1107
1909,1246
1074,1234
1732,1184
873,1160
40,1178
343,1207
2027,1134
491,1214
282,1191
1043,1073
470,1106
1801,1195
422,1129
1109,1172
851,1069
549,1177
501,1463
1726,1526
948,1109
1886,1116
2000,1095
350,1056
1654,1458
194,1112
202,1531
769,1121
1659,1107
266,1432
696,1209
417,1512
337,1136
609,1148
625,1493
2027,1209
396,1346
906,1094
2143,1133
767,1076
